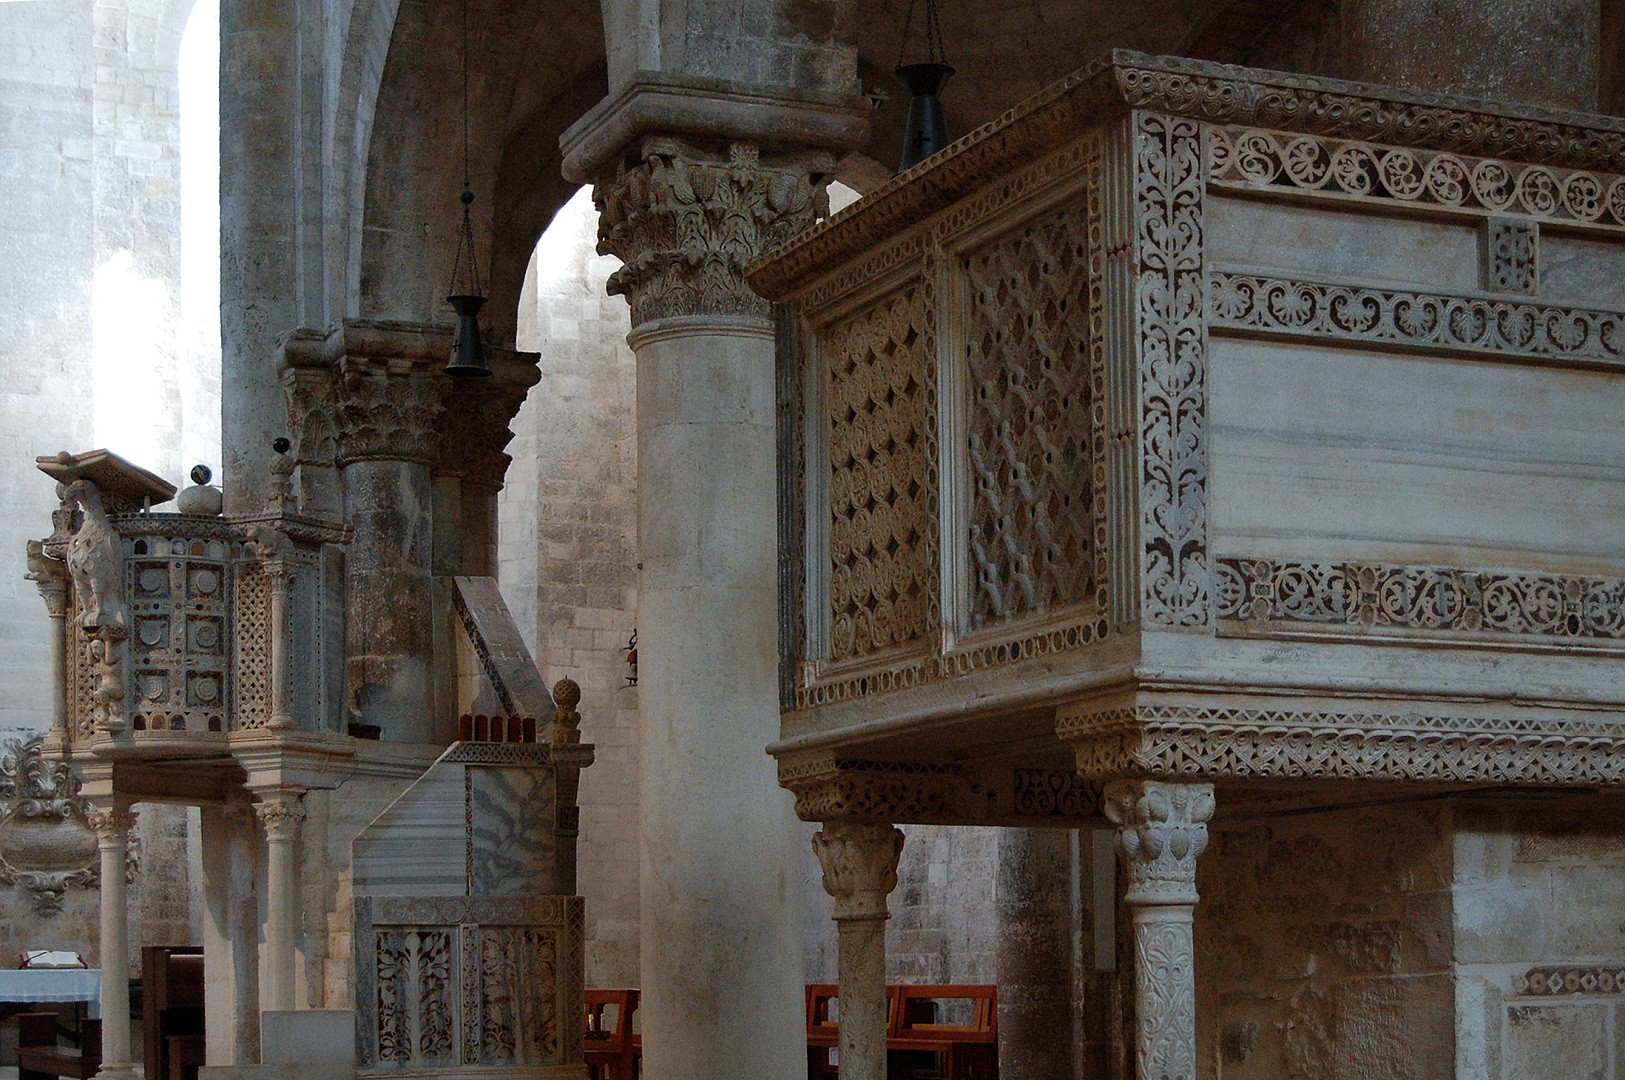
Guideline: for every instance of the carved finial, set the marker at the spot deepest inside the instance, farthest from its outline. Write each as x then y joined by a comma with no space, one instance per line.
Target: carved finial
566,720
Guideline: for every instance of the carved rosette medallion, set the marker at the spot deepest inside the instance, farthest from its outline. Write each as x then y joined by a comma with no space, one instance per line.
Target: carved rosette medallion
687,221
860,866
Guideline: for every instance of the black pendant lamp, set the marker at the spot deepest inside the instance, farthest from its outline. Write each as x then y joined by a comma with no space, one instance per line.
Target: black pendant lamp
467,296
927,128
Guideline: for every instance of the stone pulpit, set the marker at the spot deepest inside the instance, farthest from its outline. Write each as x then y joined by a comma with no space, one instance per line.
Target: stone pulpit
1193,437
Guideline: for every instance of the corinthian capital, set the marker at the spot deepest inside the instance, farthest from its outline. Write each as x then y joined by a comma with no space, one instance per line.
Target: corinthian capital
1161,829
686,222
860,866
111,824
281,815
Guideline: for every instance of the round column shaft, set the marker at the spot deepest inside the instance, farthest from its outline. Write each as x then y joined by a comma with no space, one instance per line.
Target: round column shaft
112,825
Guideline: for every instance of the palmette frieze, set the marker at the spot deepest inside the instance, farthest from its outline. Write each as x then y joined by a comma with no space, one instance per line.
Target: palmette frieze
1252,159
1467,324
1173,741
1370,597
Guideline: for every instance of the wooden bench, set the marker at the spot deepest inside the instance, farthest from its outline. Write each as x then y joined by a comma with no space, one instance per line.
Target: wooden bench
39,1057
172,1011
919,1045
612,1050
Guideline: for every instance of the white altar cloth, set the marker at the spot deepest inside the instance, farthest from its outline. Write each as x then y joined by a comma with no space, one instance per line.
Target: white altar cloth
53,984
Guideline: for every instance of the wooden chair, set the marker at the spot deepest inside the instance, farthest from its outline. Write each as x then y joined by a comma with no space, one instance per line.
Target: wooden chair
613,1051
172,1011
968,1051
39,1057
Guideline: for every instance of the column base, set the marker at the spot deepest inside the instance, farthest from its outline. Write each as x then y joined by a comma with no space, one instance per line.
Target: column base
118,1070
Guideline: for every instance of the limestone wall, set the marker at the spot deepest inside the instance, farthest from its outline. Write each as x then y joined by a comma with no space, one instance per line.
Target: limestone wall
1324,946
568,524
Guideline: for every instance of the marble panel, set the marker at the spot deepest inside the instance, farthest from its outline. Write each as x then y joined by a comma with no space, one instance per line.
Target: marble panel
1337,245
1582,271
1557,1042
1378,456
512,850
418,846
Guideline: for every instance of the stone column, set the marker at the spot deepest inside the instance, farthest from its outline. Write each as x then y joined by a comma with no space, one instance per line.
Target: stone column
1161,829
386,419
721,965
860,869
51,577
280,812
112,823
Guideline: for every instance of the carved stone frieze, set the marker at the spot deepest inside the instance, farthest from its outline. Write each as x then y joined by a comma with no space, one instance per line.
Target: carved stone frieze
1304,164
687,221
859,860
1161,830
1560,980
1175,741
1047,793
1366,598
1462,324
829,789
1169,222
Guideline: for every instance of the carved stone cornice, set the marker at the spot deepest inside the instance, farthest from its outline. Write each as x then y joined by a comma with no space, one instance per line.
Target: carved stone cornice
1161,830
687,221
859,859
1186,742
281,815
828,789
1202,91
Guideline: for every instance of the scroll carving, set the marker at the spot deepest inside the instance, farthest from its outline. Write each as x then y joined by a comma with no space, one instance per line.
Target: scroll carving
46,846
1168,196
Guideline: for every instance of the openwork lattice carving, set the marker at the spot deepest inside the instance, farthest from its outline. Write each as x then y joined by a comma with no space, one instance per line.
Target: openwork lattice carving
1047,793
1424,320
1168,194
1253,158
253,647
1511,255
1374,597
470,980
1031,364
883,493
882,791
1178,741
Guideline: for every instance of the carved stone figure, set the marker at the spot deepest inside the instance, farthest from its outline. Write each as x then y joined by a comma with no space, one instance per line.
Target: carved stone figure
94,560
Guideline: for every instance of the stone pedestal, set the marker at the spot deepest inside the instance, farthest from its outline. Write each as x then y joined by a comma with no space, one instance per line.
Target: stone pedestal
1161,829
859,860
112,822
721,972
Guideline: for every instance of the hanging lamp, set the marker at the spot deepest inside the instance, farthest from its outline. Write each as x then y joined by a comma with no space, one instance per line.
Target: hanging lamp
926,131
467,296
